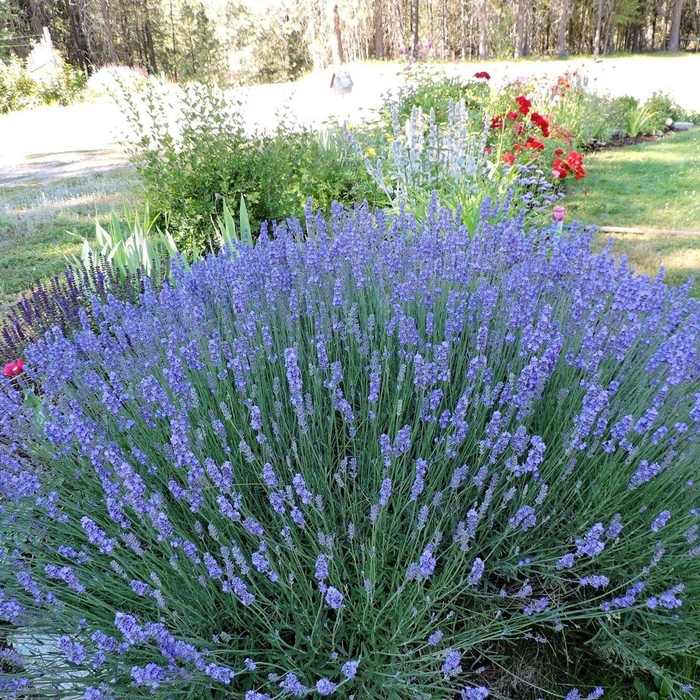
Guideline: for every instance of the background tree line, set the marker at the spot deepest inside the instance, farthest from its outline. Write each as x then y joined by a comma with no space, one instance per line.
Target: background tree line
269,40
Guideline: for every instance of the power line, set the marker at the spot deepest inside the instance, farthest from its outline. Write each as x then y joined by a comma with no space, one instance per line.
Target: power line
21,36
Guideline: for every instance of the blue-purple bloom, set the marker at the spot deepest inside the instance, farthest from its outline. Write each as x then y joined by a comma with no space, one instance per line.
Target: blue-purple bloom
451,665
327,390
334,598
325,687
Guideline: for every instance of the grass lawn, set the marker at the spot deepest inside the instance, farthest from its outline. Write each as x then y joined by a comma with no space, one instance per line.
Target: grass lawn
35,220
651,185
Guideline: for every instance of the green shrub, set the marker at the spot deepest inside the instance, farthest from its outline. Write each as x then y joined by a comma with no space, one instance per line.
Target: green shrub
428,89
192,153
20,90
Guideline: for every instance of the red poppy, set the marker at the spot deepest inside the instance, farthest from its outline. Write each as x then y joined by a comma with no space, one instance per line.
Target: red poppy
559,151
541,122
482,74
12,369
512,116
523,104
508,158
534,144
497,122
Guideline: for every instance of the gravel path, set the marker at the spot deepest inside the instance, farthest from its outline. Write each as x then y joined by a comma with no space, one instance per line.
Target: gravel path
57,142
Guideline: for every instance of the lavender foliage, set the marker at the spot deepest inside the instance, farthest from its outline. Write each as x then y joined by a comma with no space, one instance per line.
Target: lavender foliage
375,432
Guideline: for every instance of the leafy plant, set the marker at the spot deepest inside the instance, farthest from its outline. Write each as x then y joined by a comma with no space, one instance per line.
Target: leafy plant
640,120
129,248
19,89
192,154
372,458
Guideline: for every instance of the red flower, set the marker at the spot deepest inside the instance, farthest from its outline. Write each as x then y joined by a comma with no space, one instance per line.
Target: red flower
497,122
508,158
573,163
541,122
12,369
512,116
533,144
559,151
519,128
523,104
482,74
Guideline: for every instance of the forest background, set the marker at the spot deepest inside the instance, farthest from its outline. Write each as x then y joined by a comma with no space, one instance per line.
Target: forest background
259,41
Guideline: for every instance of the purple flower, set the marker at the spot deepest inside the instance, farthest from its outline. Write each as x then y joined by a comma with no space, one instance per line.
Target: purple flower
268,475
97,536
566,562
349,668
475,693
435,638
292,685
321,568
537,606
325,687
591,545
219,673
525,518
150,675
476,572
661,519
74,651
419,479
595,581
385,492
668,599
334,598
451,665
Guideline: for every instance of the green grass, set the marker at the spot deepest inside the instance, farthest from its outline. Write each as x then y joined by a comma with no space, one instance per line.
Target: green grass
35,220
651,185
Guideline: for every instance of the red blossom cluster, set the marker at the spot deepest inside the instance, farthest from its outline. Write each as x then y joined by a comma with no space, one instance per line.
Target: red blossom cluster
482,74
523,104
539,121
12,369
530,144
572,163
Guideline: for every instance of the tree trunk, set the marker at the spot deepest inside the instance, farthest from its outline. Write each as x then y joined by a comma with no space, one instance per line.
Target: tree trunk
378,31
414,27
463,29
80,50
520,27
36,16
483,16
561,34
598,27
674,39
336,40
153,66
111,51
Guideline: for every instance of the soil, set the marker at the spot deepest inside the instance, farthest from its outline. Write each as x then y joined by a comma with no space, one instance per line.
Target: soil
622,141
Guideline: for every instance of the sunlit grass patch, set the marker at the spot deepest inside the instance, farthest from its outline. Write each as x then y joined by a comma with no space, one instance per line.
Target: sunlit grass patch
35,221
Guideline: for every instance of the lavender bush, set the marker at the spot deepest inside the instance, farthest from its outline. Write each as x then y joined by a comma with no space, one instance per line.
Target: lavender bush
373,459
59,303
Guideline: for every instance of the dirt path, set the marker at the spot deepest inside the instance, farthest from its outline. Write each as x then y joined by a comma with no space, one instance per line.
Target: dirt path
58,142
